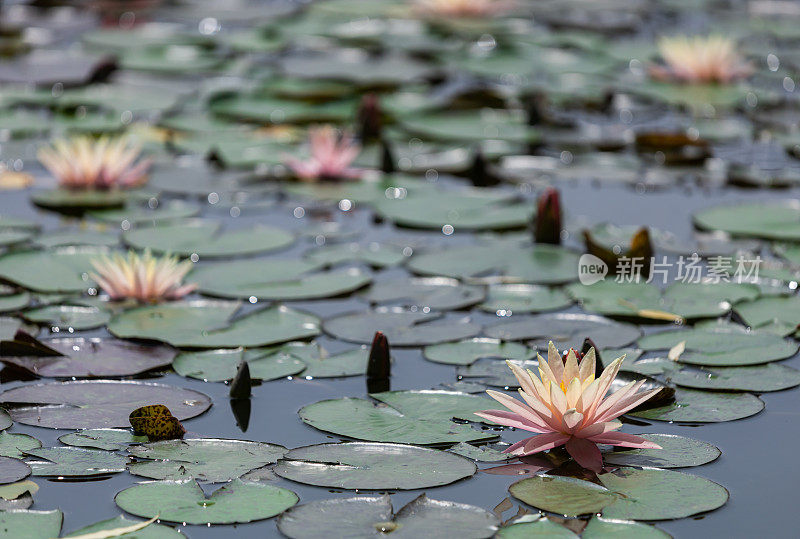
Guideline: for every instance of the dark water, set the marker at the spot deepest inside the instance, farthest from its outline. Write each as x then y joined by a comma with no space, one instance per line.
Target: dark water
758,453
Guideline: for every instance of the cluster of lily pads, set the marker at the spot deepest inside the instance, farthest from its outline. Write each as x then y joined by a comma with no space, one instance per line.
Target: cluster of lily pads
205,187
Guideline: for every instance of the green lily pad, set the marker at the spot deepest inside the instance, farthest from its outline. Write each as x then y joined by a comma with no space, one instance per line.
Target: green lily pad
768,310
319,364
401,327
5,420
108,439
76,201
469,126
435,293
695,96
535,526
565,330
471,350
221,365
723,346
273,110
96,404
276,280
490,372
759,378
375,254
369,516
481,454
211,324
675,452
208,459
412,422
693,406
635,494
63,317
597,527
151,531
366,191
184,501
62,270
373,466
775,220
63,238
537,264
505,299
145,214
12,470
17,495
458,211
15,445
24,524
14,302
74,462
207,239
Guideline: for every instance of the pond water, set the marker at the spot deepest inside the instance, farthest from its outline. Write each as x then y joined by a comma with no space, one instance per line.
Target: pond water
756,465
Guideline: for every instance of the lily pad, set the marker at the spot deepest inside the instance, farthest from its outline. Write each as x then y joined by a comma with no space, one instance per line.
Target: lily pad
636,494
759,378
12,470
401,327
108,439
506,299
276,280
151,531
368,516
221,365
768,310
207,239
93,358
436,293
63,317
471,350
371,466
481,454
213,324
597,527
363,420
675,452
64,200
96,404
62,270
319,364
145,214
184,501
565,330
15,444
776,220
75,462
538,264
490,372
374,254
693,406
208,459
24,524
472,126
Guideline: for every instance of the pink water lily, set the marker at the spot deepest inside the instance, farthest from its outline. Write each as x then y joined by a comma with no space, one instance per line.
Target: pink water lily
463,8
104,163
331,156
567,406
145,278
711,59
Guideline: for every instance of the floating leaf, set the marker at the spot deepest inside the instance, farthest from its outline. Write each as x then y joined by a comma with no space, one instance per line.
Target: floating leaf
212,324
774,220
374,254
208,459
565,330
77,317
629,493
469,351
372,466
505,299
692,406
368,516
156,422
768,310
123,527
760,378
221,365
23,524
96,404
108,439
75,462
481,454
675,452
64,269
16,444
12,470
17,495
184,501
435,293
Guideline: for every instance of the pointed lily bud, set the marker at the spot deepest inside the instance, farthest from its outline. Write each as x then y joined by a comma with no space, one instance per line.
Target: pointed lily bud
479,173
379,366
369,119
241,385
547,224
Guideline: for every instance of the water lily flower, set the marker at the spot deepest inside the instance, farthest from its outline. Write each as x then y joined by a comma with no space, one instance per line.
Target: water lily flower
104,163
698,59
566,405
463,8
331,156
145,278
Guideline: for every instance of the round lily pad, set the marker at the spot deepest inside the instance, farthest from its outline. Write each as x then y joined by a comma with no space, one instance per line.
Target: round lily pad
373,466
437,293
469,351
61,270
208,459
693,406
145,214
108,439
505,299
491,372
206,239
767,310
401,327
93,358
374,254
565,330
14,302
213,324
78,201
222,364
319,364
774,220
472,126
759,378
675,452
184,501
628,493
96,404
16,444
598,527
364,516
74,462
77,317
276,280
538,264
12,470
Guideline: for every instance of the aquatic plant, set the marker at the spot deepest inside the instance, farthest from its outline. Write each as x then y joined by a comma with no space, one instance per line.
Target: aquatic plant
566,405
463,8
699,59
87,163
332,154
145,278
